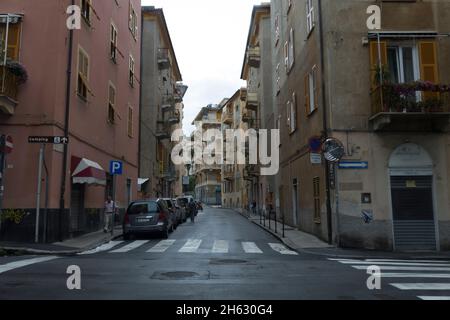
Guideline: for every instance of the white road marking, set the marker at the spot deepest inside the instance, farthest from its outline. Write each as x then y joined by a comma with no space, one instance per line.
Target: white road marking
220,246
278,247
191,245
23,263
130,246
421,286
398,260
251,247
416,275
104,247
404,268
162,246
379,263
435,298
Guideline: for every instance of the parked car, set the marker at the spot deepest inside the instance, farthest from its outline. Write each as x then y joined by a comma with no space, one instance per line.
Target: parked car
176,214
183,204
181,213
147,217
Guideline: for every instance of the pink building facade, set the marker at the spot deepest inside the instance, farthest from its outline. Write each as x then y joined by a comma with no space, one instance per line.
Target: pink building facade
103,117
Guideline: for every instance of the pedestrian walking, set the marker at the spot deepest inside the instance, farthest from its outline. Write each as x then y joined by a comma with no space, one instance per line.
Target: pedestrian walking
110,209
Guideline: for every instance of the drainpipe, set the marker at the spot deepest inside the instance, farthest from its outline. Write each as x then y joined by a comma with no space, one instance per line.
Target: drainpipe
325,127
66,132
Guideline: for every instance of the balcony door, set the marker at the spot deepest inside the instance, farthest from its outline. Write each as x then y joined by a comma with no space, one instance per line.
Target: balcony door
403,63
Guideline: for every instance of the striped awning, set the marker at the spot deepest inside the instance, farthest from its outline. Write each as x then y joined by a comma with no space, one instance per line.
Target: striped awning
85,171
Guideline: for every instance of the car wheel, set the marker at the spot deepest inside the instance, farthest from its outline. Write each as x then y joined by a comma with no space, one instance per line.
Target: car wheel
165,233
126,237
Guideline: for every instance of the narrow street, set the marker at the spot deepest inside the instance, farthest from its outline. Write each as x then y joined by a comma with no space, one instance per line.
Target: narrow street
220,256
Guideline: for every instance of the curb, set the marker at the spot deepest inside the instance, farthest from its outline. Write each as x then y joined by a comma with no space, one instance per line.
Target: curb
370,255
30,251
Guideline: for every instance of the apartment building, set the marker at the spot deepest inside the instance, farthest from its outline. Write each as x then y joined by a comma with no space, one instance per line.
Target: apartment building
161,107
235,186
83,82
259,108
208,181
382,93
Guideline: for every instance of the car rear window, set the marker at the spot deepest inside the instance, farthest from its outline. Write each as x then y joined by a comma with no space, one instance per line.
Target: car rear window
143,207
169,203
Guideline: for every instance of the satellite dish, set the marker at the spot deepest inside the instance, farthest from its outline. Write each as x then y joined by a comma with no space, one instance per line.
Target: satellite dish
333,150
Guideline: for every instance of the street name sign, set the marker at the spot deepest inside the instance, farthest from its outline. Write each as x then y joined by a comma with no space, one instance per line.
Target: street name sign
48,140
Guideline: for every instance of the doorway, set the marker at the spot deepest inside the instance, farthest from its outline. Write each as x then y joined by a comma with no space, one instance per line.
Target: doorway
411,184
77,208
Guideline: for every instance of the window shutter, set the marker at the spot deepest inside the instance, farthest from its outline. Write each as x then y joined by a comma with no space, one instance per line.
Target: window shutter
294,112
288,113
374,60
13,41
307,109
428,66
316,91
291,49
286,55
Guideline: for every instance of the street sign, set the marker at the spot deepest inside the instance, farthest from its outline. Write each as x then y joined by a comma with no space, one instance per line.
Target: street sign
9,145
48,140
316,158
315,144
116,168
353,165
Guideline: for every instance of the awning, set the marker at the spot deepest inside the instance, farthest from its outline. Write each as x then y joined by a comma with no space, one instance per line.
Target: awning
13,18
85,171
141,182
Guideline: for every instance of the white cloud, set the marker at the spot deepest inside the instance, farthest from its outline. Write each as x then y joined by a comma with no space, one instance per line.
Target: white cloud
209,38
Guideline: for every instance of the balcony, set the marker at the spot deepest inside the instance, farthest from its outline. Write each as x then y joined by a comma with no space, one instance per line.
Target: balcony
163,133
243,94
228,173
416,107
168,103
168,175
251,102
163,59
251,171
173,118
9,85
249,118
227,117
254,57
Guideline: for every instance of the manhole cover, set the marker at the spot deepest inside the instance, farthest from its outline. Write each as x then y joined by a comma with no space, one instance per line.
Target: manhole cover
180,275
228,261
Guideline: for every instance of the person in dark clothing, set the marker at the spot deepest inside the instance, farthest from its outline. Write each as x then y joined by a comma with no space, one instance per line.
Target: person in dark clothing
192,209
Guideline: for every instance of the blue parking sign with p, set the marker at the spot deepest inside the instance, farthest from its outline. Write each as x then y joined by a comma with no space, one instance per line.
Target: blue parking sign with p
116,167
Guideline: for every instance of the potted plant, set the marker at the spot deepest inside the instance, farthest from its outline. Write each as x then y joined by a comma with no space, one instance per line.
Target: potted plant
17,69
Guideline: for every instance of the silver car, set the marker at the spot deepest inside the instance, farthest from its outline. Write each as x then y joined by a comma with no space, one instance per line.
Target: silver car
146,217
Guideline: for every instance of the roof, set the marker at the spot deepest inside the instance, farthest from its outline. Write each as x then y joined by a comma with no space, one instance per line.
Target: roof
151,10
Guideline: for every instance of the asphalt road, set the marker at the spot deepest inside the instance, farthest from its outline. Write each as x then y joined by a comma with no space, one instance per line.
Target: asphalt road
220,256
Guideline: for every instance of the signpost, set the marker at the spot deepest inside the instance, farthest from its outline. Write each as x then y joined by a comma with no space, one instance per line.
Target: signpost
353,165
43,141
115,169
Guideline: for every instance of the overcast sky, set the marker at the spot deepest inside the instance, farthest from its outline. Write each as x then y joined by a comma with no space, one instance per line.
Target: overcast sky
209,37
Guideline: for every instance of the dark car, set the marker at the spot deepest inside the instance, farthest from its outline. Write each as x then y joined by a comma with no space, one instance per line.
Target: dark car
174,209
181,214
183,203
148,217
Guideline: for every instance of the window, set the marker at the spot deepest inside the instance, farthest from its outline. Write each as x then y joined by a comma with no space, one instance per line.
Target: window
131,71
278,79
277,30
13,41
86,6
289,4
403,64
288,113
316,188
113,43
83,74
291,51
133,21
293,114
311,97
112,104
130,122
309,16
286,56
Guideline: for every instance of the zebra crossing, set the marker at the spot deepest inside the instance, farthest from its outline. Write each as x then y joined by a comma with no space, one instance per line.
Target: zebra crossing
191,246
430,276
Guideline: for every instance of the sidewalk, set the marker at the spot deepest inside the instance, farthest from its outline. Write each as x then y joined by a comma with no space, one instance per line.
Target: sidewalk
306,243
68,247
